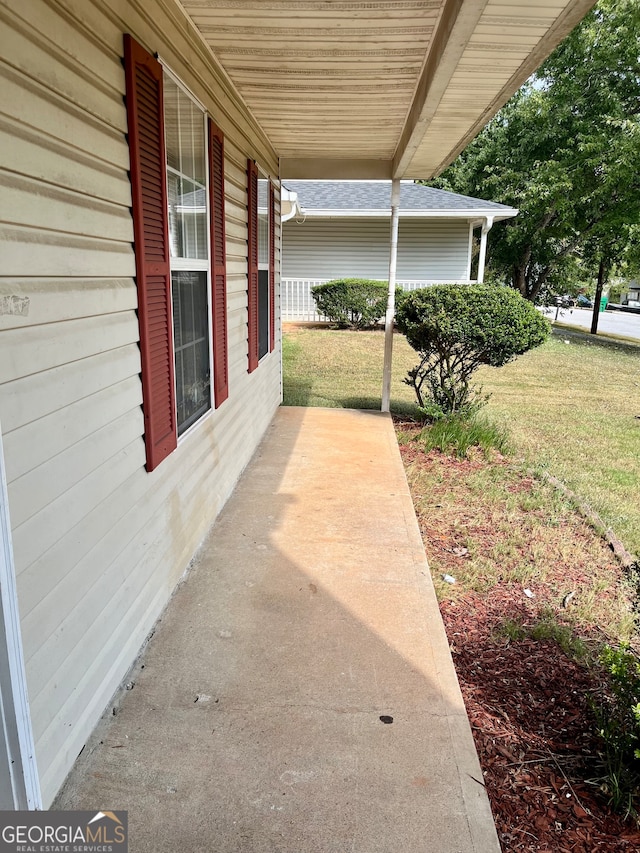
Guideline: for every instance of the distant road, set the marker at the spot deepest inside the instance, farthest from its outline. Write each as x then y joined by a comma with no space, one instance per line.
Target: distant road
613,322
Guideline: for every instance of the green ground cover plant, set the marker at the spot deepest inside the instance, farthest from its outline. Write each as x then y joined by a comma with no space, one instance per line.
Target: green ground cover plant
618,719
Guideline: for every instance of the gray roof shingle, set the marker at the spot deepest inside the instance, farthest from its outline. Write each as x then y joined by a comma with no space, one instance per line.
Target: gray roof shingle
376,195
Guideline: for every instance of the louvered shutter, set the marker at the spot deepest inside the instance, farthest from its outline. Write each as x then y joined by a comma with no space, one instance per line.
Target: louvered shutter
218,265
272,267
145,117
252,226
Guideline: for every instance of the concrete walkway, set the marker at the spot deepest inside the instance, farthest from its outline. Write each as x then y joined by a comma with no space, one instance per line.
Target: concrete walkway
256,720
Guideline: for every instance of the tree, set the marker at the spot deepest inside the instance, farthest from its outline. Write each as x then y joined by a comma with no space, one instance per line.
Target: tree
455,329
565,151
611,242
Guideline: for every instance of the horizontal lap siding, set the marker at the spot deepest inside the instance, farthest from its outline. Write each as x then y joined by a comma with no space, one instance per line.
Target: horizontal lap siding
99,543
433,250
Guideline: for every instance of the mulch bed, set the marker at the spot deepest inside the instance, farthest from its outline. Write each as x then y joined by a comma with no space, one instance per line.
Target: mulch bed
528,706
534,732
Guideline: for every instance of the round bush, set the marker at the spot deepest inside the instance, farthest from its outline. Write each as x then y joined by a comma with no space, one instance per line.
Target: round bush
352,302
455,328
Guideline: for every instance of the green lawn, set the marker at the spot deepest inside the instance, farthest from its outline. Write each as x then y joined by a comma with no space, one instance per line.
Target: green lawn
342,369
570,407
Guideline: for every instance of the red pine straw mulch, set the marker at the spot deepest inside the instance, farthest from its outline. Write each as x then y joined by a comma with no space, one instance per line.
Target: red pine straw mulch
528,706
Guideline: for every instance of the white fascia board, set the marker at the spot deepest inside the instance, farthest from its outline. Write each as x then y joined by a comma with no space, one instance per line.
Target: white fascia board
472,214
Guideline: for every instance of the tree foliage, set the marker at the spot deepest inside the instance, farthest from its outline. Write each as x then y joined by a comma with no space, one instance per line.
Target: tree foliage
352,302
565,151
455,329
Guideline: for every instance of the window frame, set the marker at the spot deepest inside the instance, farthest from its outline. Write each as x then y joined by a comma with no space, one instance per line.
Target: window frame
254,265
182,264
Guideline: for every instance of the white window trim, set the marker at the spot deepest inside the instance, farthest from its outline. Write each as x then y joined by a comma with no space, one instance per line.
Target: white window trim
194,264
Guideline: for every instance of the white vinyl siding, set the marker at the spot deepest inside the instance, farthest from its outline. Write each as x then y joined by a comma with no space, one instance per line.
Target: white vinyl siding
428,249
99,543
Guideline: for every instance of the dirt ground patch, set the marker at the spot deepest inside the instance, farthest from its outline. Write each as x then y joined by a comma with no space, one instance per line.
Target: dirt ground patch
527,699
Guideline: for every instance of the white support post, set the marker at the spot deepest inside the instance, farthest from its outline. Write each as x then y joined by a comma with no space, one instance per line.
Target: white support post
470,252
391,299
486,227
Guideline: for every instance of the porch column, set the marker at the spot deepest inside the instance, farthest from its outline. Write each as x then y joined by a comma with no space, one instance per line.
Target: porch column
391,299
486,227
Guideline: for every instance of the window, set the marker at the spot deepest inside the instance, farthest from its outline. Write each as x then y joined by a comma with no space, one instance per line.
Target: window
185,132
263,267
177,180
261,285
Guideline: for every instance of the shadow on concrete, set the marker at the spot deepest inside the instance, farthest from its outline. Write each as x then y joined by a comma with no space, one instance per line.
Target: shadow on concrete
298,694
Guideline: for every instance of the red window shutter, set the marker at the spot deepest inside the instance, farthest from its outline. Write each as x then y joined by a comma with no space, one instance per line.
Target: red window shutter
218,265
272,267
145,117
252,226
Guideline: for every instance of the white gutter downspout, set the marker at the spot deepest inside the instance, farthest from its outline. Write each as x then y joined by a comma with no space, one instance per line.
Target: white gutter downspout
289,205
486,227
391,299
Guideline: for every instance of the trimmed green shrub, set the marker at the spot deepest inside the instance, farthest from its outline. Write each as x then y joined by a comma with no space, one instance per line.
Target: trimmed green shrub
455,328
618,722
352,302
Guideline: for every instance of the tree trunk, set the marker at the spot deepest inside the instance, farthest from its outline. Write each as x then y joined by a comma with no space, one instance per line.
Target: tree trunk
520,280
598,297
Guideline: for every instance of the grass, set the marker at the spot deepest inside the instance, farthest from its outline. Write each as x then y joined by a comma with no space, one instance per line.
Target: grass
516,530
573,409
457,436
342,369
547,627
569,408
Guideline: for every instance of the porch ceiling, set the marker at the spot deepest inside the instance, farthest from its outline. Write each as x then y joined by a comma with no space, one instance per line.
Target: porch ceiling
378,88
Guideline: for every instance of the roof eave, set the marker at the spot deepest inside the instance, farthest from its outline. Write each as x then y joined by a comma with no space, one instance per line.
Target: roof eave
471,214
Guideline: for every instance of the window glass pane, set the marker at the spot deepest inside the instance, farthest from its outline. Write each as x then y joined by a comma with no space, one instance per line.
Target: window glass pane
177,317
191,334
175,231
171,123
263,312
263,223
186,167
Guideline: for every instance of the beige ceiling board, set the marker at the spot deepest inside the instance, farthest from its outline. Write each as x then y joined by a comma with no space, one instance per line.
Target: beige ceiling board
522,36
338,75
457,25
377,88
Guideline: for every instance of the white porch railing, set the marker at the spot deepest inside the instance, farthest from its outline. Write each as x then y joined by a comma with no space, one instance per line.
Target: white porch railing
297,302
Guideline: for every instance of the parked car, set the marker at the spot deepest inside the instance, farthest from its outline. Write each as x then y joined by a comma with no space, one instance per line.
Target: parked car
583,301
564,301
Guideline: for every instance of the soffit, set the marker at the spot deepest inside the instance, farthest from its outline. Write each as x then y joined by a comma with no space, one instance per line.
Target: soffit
377,88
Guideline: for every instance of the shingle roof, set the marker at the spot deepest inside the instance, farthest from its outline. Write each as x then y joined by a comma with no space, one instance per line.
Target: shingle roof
376,196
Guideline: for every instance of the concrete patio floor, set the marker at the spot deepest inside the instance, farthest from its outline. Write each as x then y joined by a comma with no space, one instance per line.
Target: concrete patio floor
255,720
